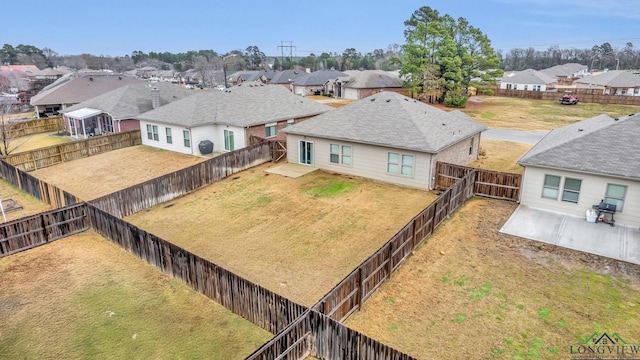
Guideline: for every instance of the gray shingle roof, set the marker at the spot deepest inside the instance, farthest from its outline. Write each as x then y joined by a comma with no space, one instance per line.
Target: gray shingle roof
242,105
612,78
600,145
370,79
80,89
393,120
131,100
530,76
318,78
286,76
564,70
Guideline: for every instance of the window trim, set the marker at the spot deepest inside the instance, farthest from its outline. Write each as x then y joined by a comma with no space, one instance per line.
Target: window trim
622,201
229,141
186,138
544,186
401,164
168,135
340,156
571,191
275,130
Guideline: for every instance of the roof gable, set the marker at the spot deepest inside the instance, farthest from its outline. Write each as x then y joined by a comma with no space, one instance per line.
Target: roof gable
393,120
369,79
316,78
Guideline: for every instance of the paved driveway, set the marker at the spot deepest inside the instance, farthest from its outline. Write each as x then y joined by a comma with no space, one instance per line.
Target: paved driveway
527,137
619,242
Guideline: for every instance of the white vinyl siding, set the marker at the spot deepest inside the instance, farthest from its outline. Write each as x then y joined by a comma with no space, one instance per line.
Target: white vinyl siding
593,188
368,161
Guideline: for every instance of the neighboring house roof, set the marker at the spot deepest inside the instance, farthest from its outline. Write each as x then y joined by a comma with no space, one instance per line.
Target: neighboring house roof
600,145
318,78
370,79
251,75
612,78
392,120
80,89
286,76
568,70
131,100
51,72
23,68
241,105
530,76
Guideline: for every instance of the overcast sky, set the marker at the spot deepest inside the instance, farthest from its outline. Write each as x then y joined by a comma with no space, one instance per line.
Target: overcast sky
118,27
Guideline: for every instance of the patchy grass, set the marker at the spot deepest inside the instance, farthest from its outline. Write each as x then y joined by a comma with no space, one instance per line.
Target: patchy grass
495,296
83,297
298,237
535,115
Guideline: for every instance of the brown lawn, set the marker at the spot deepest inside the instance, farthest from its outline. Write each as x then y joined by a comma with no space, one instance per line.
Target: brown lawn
297,237
29,204
99,175
501,155
83,297
472,292
36,141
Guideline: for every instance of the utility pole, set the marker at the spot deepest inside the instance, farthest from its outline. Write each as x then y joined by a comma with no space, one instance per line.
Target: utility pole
282,46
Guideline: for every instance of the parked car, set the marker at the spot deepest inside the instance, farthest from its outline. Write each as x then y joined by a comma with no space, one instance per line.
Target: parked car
569,99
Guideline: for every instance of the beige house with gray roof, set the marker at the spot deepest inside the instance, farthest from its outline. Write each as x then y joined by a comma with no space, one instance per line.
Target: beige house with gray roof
575,167
226,119
528,80
365,83
387,137
612,82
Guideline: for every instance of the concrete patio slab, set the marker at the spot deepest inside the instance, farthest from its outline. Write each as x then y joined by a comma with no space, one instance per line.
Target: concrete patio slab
619,242
291,170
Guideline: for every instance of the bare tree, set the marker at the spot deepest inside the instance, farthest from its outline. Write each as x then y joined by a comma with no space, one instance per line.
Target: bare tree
206,69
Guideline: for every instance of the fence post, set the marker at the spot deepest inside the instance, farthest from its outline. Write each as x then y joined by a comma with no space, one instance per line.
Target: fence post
360,284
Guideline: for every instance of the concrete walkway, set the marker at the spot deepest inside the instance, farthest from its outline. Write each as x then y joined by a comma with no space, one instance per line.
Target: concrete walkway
527,137
618,242
291,170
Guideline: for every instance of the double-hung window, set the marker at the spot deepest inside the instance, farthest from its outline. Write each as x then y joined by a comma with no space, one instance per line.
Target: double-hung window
571,191
401,164
551,187
271,130
615,195
340,154
187,138
169,137
152,132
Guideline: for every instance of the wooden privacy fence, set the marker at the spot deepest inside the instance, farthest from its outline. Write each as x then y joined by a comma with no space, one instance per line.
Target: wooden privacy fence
262,307
37,188
584,95
167,187
319,336
349,295
487,183
36,230
56,154
35,126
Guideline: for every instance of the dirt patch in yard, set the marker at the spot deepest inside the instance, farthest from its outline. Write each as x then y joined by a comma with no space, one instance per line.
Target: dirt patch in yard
298,237
83,297
99,175
472,292
500,155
